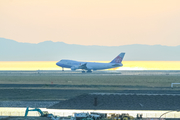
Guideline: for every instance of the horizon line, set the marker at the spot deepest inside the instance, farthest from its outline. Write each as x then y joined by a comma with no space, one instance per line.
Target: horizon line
86,45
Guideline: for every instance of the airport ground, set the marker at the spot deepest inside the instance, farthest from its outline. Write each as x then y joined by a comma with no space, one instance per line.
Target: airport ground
46,88
57,85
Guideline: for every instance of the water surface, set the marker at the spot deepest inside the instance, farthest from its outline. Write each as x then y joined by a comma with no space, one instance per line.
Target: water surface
127,65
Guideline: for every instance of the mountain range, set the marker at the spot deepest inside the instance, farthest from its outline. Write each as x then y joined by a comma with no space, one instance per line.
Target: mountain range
11,50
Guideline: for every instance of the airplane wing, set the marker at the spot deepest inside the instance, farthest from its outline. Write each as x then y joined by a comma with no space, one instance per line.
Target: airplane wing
83,66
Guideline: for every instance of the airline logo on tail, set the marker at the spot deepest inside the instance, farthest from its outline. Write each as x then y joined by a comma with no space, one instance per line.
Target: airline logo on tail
118,59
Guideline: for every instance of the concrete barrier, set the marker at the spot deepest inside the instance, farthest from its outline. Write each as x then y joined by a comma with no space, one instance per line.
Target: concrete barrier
174,84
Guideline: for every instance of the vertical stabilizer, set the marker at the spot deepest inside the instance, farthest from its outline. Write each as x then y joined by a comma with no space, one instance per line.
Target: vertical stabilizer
118,59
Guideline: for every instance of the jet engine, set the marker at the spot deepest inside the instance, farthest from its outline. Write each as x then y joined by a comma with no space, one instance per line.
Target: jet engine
73,68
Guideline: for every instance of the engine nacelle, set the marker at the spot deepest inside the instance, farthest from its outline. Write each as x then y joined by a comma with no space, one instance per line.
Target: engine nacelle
73,68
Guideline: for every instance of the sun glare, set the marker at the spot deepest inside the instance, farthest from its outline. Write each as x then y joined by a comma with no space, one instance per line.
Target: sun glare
127,65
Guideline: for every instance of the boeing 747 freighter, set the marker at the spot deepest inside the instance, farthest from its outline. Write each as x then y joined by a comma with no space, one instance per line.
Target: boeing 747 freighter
89,66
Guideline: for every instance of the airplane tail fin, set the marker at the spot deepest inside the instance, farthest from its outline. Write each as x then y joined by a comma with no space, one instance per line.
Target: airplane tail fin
118,59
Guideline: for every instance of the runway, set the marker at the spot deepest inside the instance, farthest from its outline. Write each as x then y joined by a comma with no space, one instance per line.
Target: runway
78,72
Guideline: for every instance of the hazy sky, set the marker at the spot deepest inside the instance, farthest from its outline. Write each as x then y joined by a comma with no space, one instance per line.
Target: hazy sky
92,22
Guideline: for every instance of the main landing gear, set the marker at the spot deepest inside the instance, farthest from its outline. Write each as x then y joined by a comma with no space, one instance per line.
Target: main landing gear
89,71
62,69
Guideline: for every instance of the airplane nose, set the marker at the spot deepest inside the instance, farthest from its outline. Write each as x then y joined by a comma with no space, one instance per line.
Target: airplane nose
57,63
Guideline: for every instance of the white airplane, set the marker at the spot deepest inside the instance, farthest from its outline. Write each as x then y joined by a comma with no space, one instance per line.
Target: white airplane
73,65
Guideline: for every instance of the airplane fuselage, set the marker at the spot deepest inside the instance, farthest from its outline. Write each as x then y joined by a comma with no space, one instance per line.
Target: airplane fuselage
73,65
89,65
